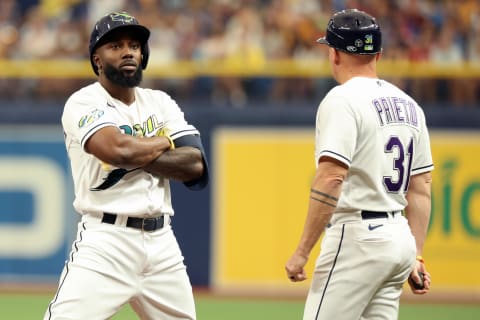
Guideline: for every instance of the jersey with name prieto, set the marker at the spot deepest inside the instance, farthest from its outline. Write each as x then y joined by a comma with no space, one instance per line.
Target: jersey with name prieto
380,133
101,187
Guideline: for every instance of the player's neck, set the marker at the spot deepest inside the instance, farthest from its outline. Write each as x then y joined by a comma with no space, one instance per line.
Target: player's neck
349,73
348,66
126,95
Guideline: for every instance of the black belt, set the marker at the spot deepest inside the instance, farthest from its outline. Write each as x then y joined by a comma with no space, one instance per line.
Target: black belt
377,214
146,224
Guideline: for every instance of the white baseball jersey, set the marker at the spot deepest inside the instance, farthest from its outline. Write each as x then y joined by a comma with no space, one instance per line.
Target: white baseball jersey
361,119
380,133
97,187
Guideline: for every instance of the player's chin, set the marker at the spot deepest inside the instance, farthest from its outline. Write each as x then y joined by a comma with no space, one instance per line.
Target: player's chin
128,73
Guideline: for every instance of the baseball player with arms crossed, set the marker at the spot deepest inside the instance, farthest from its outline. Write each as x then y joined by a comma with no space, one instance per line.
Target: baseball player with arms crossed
125,143
374,161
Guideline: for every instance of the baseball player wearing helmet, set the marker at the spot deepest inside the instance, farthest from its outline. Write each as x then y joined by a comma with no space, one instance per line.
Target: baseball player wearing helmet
125,143
371,191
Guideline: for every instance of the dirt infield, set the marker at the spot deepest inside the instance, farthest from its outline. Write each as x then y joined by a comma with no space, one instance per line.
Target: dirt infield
435,296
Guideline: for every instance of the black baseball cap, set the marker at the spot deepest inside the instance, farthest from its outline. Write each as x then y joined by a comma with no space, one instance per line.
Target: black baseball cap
118,21
353,31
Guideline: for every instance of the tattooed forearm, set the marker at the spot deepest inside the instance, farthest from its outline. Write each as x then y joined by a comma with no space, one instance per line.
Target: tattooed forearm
182,164
323,201
324,194
327,199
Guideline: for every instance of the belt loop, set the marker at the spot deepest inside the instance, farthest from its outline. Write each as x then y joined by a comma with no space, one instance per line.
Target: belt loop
166,220
396,213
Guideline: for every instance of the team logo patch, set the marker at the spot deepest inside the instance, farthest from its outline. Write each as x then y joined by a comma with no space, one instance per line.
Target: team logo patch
90,118
369,39
368,43
358,43
122,16
351,48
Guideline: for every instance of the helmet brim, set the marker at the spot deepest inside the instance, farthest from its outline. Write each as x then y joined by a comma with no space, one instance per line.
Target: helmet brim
323,40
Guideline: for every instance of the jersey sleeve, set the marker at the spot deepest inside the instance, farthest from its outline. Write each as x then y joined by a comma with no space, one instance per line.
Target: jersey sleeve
83,116
175,122
183,134
422,159
336,130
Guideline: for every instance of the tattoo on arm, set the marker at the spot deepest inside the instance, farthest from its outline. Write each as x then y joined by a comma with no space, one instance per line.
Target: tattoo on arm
324,194
324,198
182,164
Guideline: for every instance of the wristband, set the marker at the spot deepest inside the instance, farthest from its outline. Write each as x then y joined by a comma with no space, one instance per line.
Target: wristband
162,133
172,144
420,259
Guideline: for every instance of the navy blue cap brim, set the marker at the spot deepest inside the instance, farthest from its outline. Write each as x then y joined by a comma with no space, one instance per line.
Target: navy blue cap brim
323,40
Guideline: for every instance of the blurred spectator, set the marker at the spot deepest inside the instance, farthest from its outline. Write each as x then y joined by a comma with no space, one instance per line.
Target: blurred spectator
25,5
244,35
292,29
173,37
472,15
243,48
420,52
9,21
43,35
38,35
447,51
57,8
70,43
97,9
36,40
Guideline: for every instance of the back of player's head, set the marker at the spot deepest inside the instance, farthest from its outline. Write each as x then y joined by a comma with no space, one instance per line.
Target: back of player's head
118,21
353,31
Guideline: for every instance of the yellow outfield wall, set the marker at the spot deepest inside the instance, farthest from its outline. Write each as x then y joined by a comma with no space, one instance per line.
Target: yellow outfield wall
260,193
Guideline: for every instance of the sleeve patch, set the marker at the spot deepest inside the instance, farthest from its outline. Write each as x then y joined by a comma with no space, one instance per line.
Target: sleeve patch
90,118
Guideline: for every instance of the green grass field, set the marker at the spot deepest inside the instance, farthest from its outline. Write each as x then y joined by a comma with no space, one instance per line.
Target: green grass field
32,306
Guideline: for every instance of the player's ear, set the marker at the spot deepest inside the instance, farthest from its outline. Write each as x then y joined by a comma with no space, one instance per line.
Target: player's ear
335,56
96,61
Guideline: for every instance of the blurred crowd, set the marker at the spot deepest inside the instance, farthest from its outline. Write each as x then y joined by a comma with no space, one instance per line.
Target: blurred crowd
247,31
